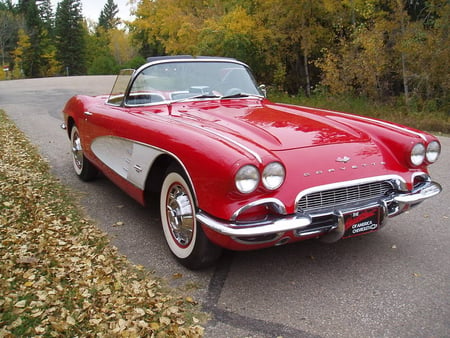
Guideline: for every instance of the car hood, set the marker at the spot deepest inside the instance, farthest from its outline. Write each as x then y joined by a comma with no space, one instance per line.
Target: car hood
275,127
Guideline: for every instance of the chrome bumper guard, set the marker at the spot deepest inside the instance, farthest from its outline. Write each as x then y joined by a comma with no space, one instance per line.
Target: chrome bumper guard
419,194
286,223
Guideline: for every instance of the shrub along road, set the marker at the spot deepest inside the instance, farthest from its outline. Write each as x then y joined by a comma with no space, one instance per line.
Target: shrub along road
392,283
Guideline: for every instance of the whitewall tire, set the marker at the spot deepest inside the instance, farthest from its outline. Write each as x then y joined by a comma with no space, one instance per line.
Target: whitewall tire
184,235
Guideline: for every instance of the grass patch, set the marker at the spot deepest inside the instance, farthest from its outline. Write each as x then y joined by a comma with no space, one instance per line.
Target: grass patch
432,121
59,275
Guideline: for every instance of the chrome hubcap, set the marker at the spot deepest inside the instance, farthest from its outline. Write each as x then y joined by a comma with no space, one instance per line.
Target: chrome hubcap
180,215
77,151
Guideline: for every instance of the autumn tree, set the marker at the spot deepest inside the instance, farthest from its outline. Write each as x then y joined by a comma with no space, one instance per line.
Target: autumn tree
390,48
296,33
226,28
22,54
423,45
233,32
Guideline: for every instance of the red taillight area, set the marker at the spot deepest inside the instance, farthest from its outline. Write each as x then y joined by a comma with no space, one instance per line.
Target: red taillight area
256,213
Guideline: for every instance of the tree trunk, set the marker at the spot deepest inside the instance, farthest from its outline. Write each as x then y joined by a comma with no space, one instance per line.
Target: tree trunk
308,80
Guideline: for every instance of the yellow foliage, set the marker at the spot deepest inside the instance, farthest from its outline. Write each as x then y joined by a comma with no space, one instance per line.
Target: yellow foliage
121,46
23,46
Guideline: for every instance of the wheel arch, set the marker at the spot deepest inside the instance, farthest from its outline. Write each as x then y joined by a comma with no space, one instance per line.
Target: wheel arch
158,172
70,124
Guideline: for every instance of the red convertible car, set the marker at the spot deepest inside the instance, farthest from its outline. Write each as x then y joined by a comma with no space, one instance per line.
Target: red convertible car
234,170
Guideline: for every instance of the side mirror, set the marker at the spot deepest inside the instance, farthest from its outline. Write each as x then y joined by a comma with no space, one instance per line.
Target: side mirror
263,89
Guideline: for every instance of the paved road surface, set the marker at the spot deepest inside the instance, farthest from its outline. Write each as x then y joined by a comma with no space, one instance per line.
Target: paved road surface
394,283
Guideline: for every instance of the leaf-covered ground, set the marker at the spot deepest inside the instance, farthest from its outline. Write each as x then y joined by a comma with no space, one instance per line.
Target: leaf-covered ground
59,275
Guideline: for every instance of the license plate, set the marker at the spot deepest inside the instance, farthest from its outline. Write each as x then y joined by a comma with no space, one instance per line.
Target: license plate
362,222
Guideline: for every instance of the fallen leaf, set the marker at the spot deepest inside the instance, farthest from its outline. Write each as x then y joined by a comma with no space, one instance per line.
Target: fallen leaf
154,326
70,320
164,320
39,329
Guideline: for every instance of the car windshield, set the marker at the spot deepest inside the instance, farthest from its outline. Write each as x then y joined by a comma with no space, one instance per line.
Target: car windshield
118,90
186,80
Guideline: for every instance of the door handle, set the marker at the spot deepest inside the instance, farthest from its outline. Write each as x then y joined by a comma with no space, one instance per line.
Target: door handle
88,113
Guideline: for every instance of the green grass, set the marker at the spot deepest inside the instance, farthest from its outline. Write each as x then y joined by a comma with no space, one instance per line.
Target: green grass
433,121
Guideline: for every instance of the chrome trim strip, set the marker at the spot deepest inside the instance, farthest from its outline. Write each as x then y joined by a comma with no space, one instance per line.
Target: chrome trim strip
253,153
220,135
257,228
274,202
192,59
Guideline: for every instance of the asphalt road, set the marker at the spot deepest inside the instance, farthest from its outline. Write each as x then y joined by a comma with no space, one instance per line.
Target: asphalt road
394,283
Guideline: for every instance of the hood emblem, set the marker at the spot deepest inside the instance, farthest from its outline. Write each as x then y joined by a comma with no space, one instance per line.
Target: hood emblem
343,159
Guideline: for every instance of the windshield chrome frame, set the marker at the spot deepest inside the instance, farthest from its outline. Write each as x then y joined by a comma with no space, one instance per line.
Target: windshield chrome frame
187,59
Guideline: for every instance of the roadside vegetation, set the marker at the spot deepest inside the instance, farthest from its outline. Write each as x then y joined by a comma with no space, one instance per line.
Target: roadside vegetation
59,274
436,122
385,51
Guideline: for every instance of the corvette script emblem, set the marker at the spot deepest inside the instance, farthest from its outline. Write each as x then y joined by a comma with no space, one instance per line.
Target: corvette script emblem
344,159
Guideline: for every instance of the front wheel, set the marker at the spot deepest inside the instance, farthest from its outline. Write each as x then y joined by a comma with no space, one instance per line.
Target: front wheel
82,166
184,236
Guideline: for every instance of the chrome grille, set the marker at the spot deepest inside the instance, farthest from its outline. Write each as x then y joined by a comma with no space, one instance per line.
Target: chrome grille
344,195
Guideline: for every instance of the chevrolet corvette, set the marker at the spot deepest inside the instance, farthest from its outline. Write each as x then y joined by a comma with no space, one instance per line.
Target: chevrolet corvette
233,170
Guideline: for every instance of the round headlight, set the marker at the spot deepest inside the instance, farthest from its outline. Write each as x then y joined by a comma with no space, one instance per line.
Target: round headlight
247,179
433,151
273,175
418,154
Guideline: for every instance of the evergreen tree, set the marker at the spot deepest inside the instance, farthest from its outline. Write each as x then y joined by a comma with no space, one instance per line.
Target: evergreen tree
70,37
107,19
35,30
46,13
10,23
7,6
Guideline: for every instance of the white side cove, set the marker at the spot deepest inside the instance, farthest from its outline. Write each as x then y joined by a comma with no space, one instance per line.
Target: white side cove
129,159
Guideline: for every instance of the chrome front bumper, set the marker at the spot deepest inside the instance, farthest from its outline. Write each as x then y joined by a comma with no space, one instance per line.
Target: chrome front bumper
303,224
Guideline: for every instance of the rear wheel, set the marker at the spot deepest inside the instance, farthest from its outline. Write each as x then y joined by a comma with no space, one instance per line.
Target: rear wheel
82,166
184,235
